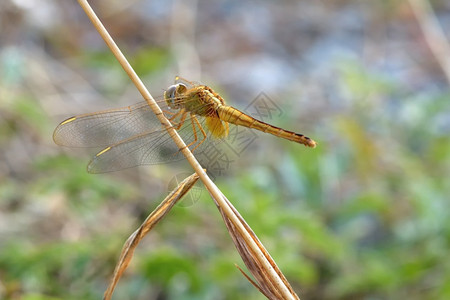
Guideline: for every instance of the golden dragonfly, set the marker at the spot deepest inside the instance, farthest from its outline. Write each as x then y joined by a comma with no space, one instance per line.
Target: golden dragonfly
133,135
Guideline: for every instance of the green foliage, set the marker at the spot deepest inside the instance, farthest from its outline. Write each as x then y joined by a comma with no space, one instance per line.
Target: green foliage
150,60
69,175
167,268
46,269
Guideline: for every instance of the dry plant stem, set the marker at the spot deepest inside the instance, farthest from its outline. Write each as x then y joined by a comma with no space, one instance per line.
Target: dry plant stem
157,215
266,285
212,188
433,33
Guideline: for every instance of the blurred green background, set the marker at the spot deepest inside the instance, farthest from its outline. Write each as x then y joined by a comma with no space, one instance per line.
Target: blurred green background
363,216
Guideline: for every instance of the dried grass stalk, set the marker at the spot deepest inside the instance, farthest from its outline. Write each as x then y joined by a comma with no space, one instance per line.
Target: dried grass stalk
265,282
433,33
156,215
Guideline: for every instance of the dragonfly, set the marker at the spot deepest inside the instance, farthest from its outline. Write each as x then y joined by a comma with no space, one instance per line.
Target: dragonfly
133,135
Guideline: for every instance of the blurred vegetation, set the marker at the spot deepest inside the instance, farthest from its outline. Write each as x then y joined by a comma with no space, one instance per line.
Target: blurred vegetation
363,216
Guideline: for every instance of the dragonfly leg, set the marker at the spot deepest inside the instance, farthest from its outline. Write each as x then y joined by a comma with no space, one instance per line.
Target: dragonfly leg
181,122
174,115
177,125
194,119
195,134
168,113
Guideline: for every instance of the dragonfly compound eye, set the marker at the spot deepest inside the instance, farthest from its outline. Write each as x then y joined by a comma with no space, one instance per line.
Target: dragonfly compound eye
169,95
181,88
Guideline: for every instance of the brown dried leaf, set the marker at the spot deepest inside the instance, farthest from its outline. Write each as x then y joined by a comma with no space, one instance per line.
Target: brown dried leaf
153,219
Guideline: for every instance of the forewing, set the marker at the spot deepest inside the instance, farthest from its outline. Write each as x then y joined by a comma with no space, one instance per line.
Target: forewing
106,128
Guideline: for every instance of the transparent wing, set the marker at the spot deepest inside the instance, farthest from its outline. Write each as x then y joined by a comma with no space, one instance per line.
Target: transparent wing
150,148
107,127
188,83
154,147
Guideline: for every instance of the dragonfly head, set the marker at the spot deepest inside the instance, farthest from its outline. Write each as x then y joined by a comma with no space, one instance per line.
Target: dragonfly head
174,94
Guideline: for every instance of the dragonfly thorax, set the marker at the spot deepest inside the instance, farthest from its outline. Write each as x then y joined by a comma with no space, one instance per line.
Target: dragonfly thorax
199,100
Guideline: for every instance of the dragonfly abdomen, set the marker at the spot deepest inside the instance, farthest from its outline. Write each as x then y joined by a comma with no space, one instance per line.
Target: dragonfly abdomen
235,116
